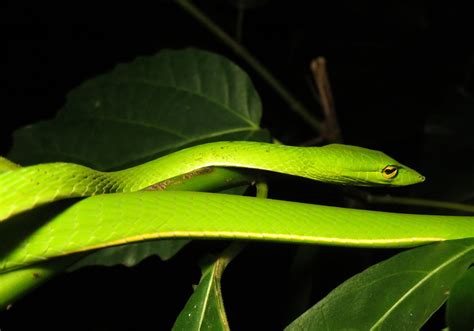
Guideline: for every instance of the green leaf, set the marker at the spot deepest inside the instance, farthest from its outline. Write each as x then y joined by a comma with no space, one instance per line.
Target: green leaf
460,306
400,293
205,308
142,110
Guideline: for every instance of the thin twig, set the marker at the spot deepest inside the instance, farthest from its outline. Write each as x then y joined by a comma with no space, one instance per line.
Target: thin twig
330,129
264,73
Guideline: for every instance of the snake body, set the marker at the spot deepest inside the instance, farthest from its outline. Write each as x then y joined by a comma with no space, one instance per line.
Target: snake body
28,187
123,215
102,221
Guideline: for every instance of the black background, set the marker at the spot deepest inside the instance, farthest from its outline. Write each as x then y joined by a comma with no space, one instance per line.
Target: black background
391,65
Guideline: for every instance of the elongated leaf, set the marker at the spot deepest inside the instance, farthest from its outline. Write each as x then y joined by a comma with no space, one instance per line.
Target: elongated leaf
400,293
141,110
460,307
205,308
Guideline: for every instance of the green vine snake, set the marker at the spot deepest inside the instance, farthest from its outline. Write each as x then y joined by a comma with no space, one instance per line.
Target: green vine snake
124,207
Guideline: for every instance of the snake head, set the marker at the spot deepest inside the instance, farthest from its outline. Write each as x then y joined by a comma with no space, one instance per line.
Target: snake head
399,175
361,166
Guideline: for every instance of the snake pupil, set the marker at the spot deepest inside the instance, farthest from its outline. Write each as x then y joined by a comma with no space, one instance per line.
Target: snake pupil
389,171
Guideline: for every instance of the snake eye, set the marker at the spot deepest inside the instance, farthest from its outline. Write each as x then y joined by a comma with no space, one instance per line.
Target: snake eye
390,171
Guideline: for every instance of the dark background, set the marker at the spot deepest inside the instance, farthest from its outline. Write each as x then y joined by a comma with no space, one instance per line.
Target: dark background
392,65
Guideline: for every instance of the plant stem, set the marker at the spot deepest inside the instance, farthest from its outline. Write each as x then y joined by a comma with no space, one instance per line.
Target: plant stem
262,189
332,130
264,73
228,255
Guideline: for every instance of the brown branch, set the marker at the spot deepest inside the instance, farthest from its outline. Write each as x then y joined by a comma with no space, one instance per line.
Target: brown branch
330,130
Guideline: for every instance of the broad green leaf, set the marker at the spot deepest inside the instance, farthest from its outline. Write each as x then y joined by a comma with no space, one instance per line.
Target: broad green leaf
460,306
400,293
142,110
